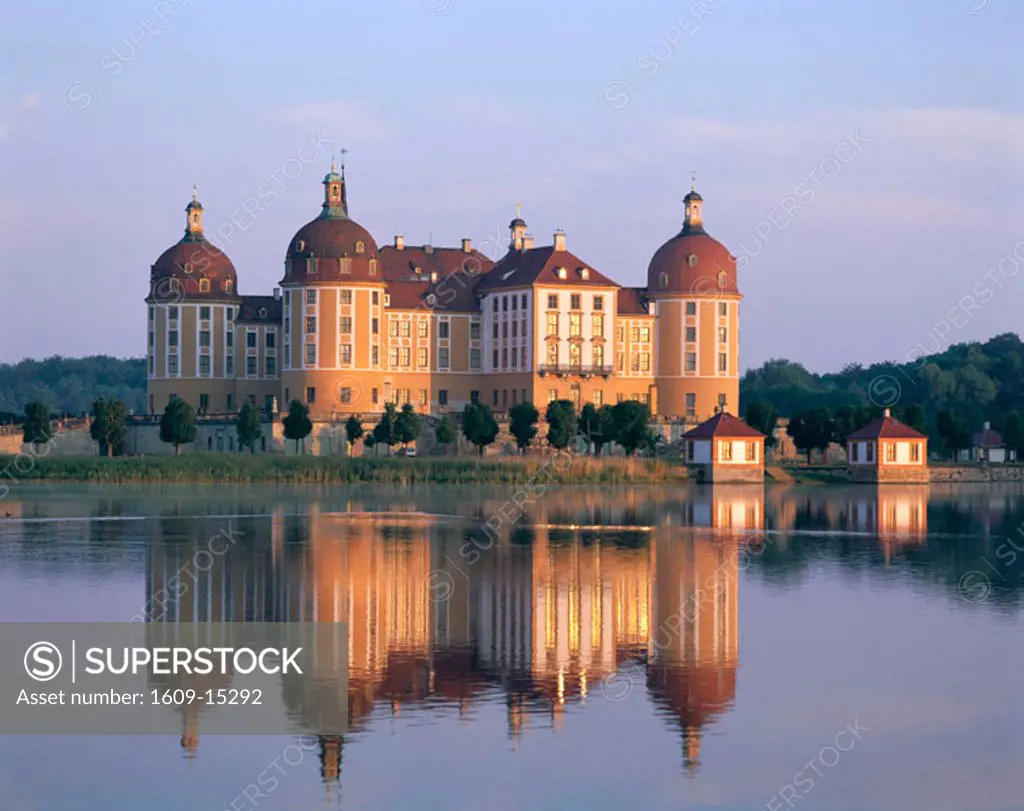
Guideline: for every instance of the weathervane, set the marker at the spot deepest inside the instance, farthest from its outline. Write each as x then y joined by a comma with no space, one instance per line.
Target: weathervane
519,209
693,181
193,192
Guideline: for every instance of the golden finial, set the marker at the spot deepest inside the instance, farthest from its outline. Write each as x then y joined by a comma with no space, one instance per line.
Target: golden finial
333,153
519,211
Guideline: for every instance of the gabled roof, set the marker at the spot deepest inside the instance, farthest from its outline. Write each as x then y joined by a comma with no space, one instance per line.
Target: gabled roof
631,301
987,438
887,427
540,266
724,426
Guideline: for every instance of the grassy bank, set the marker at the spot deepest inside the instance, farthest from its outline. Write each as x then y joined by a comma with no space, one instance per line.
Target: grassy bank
201,468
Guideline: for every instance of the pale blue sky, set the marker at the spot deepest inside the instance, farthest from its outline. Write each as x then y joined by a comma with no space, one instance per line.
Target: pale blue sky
455,109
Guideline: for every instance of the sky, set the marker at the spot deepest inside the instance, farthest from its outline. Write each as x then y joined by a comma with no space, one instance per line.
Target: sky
863,160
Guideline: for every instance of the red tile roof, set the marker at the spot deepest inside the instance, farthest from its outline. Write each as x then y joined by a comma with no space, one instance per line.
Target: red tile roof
631,301
886,428
458,274
540,266
987,439
260,310
723,425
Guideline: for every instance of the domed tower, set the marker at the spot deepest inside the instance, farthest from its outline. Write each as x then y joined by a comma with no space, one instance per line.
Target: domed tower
193,301
334,311
692,279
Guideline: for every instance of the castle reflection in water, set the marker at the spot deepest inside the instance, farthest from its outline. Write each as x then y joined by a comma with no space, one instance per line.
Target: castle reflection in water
587,597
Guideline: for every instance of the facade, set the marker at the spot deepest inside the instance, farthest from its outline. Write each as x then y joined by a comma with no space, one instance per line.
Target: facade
988,446
355,326
725,449
886,450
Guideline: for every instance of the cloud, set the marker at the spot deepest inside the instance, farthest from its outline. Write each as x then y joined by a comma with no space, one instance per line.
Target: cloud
347,120
11,116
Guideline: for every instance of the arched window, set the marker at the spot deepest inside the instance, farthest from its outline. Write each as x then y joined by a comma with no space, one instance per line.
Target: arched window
229,285
663,280
722,279
360,247
692,260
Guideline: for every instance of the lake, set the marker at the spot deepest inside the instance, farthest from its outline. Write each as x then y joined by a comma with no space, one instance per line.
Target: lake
594,648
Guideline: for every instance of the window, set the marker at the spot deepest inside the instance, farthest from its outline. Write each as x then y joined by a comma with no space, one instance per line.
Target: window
346,296
271,339
310,394
172,364
620,361
228,286
634,334
553,301
723,308
552,395
204,285
524,328
494,331
691,361
360,247
504,329
375,326
346,353
751,451
515,357
598,398
204,365
494,359
723,401
172,338
229,365
598,302
374,397
723,362
405,329
345,395
250,339
474,358
726,451
515,329
204,337
172,313
574,356
598,352
915,451
575,301
494,304
375,355
375,298
423,328
691,308
598,322
311,354
663,279
393,357
552,323
723,335
691,405
522,357
421,357
346,325
620,333
204,402
474,331
271,366
552,354
504,358
574,325
854,451
691,335
405,357
442,397
645,335
504,304
890,451
443,329
311,297
393,329
250,366
230,402
645,361
515,394
152,339
311,325
423,398
474,397
229,339
442,358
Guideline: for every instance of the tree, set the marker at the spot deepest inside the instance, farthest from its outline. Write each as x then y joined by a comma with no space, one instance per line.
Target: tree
523,424
953,432
590,427
479,426
650,441
108,425
562,423
178,424
408,425
1013,432
385,432
353,431
606,432
631,424
762,417
37,424
369,441
445,434
914,416
813,430
247,426
297,424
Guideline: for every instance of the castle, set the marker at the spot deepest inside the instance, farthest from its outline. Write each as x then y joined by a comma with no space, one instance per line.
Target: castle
354,326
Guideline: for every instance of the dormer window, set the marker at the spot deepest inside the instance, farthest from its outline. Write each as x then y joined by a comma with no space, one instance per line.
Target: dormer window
229,285
722,279
584,273
204,285
360,247
300,245
311,266
692,259
373,267
562,273
345,266
188,268
263,312
663,279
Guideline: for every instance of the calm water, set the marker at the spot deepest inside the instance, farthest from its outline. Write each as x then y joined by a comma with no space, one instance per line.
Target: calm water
645,648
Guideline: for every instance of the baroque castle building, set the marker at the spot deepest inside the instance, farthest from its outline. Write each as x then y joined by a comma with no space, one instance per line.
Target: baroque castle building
354,326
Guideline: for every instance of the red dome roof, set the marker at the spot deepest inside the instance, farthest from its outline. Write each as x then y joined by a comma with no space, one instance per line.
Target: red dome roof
328,240
692,262
192,268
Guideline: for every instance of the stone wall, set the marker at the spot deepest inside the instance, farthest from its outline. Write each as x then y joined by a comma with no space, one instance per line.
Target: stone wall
977,473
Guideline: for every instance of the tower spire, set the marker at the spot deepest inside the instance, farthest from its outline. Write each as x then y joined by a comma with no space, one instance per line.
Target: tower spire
692,220
335,197
194,218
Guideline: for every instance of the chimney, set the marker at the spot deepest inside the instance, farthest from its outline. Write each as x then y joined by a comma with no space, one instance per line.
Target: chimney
467,245
527,243
428,249
887,413
277,294
559,240
399,242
